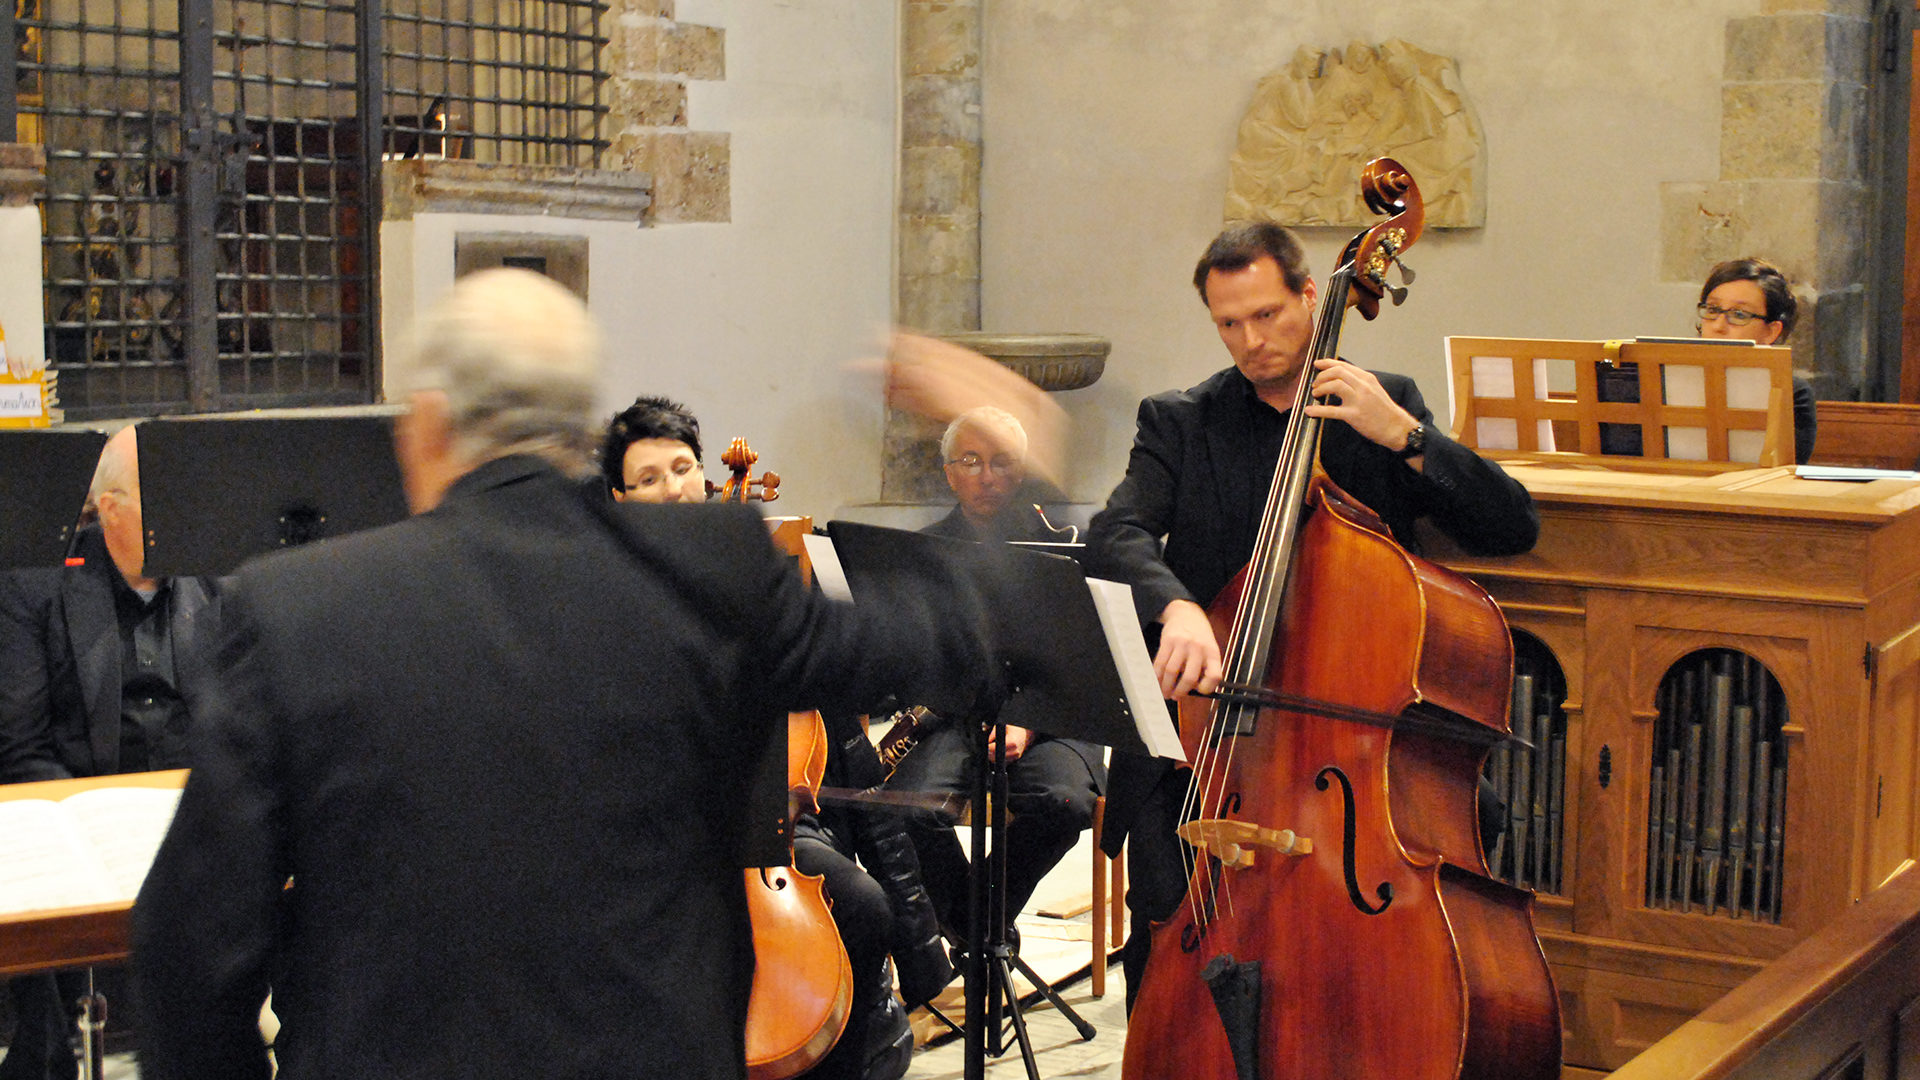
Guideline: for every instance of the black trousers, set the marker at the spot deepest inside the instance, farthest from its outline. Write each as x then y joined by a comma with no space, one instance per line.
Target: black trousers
43,1022
861,914
1050,796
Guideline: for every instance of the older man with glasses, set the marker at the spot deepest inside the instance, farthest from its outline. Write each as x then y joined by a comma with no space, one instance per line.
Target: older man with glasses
1052,783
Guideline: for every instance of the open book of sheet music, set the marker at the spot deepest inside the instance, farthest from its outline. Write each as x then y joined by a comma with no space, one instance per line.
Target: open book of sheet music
91,847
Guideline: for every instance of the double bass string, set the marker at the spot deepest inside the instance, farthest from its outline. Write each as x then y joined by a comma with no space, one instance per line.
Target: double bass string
1256,619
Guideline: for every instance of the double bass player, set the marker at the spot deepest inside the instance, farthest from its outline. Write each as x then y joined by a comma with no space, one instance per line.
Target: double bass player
1198,474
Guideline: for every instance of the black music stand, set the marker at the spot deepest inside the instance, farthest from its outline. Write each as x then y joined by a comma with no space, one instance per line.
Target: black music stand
218,490
1062,680
44,475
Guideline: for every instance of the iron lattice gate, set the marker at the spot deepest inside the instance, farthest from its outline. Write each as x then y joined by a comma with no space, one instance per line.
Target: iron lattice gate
209,220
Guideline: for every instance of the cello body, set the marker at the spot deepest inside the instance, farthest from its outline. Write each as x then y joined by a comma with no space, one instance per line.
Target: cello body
802,981
1445,980
1339,920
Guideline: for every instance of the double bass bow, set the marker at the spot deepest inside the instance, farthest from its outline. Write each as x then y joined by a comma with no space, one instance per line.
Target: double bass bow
1340,920
802,980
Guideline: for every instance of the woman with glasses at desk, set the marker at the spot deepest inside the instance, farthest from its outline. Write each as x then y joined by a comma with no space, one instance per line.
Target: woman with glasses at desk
1751,300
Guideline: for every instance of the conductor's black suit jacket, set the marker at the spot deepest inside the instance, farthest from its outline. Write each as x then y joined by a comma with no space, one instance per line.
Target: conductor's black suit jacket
1198,480
500,751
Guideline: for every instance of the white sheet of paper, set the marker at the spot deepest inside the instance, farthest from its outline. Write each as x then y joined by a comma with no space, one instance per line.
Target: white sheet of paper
1114,602
1852,473
125,826
1493,376
1686,387
1687,443
46,863
827,571
1748,388
1745,444
1497,432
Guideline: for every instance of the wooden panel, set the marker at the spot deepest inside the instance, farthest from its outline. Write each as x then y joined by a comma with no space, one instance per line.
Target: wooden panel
1872,434
1635,572
1848,989
1894,832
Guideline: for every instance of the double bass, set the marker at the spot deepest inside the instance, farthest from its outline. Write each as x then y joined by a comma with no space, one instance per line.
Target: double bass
802,979
1340,920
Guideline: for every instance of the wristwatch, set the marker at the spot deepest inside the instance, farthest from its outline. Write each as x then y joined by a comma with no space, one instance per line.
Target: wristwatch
1416,443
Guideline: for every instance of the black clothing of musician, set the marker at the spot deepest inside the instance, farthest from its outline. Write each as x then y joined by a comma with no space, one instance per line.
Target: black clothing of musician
1198,475
96,678
880,907
1052,785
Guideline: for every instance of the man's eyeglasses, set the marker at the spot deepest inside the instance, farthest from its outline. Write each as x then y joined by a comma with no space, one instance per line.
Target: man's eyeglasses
1734,316
971,464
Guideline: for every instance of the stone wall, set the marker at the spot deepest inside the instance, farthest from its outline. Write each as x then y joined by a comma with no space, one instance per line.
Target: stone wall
939,223
1792,186
940,165
650,57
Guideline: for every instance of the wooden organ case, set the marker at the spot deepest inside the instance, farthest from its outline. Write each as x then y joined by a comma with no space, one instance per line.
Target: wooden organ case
1747,633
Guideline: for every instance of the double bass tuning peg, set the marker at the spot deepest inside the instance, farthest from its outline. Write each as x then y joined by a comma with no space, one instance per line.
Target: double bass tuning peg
1399,295
1406,272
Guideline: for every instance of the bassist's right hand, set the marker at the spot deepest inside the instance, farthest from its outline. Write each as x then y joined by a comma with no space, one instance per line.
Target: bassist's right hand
1189,656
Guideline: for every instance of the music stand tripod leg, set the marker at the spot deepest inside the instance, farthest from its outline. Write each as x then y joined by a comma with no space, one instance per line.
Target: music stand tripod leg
987,914
93,1032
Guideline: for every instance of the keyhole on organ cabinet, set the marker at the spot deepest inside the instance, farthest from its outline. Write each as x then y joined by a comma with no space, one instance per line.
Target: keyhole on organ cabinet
1606,765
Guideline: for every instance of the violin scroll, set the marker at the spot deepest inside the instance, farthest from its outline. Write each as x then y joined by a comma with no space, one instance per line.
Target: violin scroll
739,487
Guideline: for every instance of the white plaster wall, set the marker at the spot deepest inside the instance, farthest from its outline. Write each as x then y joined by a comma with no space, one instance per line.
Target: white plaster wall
752,322
21,305
1109,122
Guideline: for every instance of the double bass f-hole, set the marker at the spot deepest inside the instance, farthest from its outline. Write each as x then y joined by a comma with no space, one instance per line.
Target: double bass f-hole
1385,891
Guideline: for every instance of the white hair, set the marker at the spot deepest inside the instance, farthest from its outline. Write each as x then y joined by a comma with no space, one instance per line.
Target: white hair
986,416
118,469
518,358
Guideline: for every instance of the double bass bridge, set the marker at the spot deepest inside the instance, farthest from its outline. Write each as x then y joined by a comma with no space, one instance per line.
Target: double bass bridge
1234,843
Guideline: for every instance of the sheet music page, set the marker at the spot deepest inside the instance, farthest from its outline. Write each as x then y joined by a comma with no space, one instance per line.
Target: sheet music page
1114,602
125,826
827,571
46,861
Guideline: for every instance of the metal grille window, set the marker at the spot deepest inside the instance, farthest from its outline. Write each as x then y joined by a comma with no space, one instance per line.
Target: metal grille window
510,81
212,207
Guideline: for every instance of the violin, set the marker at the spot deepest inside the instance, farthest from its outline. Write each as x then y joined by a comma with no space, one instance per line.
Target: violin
802,980
1340,920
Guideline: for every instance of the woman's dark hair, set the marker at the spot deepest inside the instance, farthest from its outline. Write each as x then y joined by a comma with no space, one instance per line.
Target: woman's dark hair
646,418
1781,305
1239,245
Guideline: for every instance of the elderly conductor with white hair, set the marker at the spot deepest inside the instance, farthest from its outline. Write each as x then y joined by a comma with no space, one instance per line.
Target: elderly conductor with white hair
470,802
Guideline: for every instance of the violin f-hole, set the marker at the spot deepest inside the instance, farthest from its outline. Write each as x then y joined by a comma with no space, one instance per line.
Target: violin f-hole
1385,890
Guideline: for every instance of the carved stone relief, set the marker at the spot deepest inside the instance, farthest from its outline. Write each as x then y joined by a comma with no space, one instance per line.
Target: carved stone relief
1314,123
